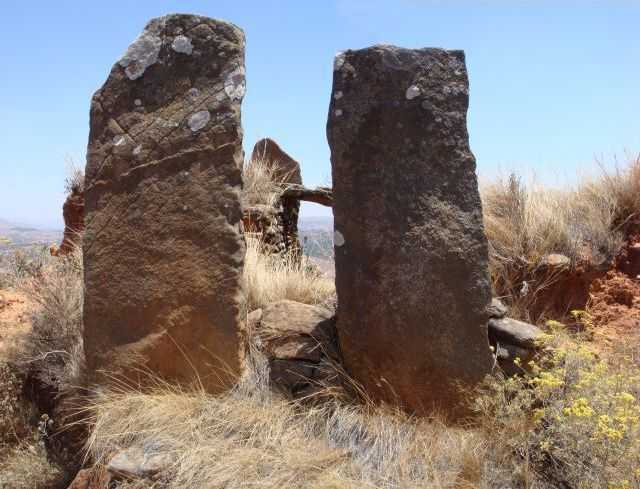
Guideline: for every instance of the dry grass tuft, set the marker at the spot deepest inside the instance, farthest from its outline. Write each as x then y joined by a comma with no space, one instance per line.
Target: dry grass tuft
250,438
270,278
27,467
261,185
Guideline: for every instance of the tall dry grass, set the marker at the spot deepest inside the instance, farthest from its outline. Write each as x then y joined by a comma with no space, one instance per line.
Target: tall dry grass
261,183
54,351
250,438
270,278
527,222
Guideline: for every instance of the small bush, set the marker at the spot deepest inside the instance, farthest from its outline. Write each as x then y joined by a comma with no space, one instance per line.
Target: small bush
54,353
571,420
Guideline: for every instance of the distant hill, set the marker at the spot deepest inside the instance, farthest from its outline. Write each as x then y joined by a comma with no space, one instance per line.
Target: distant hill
16,235
316,236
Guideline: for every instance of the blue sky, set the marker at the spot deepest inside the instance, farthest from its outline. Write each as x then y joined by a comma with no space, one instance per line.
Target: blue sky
554,84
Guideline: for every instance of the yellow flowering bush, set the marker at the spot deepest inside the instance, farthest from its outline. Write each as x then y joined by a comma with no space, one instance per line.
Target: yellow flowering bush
571,418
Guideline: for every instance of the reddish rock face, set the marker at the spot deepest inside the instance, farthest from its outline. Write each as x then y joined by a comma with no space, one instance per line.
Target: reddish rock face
411,255
287,170
163,251
73,214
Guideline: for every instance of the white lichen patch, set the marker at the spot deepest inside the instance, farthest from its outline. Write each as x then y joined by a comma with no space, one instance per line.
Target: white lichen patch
142,53
338,61
338,238
234,84
338,112
137,102
137,150
119,140
182,44
412,92
338,95
198,120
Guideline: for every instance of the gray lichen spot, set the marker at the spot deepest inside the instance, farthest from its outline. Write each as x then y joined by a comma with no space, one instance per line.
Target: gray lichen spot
234,84
193,93
137,150
338,238
412,92
142,53
198,120
137,102
182,44
338,61
338,112
337,95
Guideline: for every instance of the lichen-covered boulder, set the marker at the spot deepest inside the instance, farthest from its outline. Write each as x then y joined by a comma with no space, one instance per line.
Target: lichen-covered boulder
410,249
163,251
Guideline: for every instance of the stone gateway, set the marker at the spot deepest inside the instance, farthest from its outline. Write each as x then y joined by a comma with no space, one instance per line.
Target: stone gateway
411,254
163,251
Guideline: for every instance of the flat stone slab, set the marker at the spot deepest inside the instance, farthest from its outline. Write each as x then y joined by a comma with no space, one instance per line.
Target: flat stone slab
514,332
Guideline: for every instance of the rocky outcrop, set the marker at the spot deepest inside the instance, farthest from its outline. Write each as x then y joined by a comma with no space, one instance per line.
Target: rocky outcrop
299,341
411,254
286,171
163,251
73,214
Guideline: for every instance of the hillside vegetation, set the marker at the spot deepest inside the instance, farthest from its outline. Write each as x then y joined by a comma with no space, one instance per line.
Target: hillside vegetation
571,419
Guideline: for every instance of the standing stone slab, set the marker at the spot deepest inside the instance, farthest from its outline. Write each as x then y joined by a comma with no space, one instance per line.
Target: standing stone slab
163,252
411,254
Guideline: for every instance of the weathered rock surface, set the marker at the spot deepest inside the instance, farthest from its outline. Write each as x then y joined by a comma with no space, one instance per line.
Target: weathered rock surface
286,171
411,254
73,214
163,251
94,478
299,341
139,462
511,340
514,332
266,222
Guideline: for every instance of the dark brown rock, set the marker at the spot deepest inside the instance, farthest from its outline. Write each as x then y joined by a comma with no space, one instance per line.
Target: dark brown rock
163,251
411,254
73,214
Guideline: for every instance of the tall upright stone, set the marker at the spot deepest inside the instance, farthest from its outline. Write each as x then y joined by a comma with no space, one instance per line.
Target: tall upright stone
411,254
163,251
